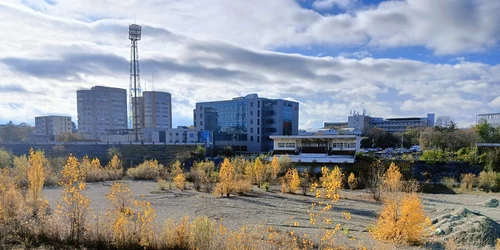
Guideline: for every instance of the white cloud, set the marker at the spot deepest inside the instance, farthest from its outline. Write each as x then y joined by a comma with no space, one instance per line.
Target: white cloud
205,52
495,103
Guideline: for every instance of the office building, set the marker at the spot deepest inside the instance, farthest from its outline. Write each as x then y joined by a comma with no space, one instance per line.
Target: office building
245,123
492,118
100,110
364,123
53,125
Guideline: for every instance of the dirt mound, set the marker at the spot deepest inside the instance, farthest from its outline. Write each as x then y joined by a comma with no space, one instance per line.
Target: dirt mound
467,228
491,203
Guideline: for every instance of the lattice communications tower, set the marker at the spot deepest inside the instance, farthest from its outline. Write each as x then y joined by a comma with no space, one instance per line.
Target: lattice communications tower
134,34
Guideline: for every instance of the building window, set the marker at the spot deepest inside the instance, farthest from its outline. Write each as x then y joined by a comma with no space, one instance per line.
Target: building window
251,112
251,138
201,123
251,121
258,104
258,113
251,104
251,130
258,141
290,145
201,115
258,121
281,145
258,130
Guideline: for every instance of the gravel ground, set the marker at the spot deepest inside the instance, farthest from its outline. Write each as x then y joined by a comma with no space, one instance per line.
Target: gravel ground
279,210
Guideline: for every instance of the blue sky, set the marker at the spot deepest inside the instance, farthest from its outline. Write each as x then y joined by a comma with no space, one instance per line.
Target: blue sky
392,58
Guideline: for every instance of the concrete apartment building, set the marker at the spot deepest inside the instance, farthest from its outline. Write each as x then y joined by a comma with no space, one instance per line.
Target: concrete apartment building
245,123
181,134
53,125
100,110
491,118
157,110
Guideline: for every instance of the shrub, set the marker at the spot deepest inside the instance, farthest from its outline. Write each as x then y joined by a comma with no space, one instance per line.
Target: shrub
448,182
176,236
401,221
202,175
290,182
36,178
468,182
392,181
375,179
433,156
276,167
21,166
148,170
265,186
5,159
75,206
164,185
201,233
242,186
331,181
95,172
180,181
225,183
489,181
352,181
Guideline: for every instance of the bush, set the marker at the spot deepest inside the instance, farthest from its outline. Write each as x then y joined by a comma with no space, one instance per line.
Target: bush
265,186
164,185
448,182
148,170
226,179
242,186
433,156
201,233
401,222
176,236
352,181
331,181
290,182
489,181
468,182
180,181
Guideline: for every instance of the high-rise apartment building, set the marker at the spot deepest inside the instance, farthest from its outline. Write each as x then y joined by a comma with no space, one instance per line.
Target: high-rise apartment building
157,110
245,123
100,110
53,125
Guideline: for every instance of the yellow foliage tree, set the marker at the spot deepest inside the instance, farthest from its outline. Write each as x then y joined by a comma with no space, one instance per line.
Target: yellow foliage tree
291,181
392,181
226,175
95,163
114,163
180,181
331,181
36,178
276,167
75,206
352,181
402,221
258,172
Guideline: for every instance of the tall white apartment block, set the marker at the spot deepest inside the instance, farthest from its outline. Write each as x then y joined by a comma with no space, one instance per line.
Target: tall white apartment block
100,110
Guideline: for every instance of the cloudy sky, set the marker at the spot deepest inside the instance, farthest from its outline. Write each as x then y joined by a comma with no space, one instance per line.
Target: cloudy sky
392,58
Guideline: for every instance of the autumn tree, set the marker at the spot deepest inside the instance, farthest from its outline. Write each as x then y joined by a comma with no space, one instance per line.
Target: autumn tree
36,178
352,181
392,181
258,172
276,167
225,183
291,181
74,206
331,181
402,220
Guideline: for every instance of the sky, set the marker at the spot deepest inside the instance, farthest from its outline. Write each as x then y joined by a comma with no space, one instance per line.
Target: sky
392,58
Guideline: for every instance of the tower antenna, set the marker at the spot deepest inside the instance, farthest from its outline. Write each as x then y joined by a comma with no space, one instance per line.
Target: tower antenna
134,34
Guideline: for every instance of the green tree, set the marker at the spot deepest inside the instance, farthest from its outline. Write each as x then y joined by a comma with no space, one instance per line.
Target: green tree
5,159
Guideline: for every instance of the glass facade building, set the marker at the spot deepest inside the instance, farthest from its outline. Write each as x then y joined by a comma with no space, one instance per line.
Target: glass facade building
245,123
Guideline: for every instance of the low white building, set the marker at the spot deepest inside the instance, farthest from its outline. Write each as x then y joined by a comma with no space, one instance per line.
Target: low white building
181,134
318,148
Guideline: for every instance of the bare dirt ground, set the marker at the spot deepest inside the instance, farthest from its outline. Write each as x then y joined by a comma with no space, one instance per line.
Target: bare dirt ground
280,210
